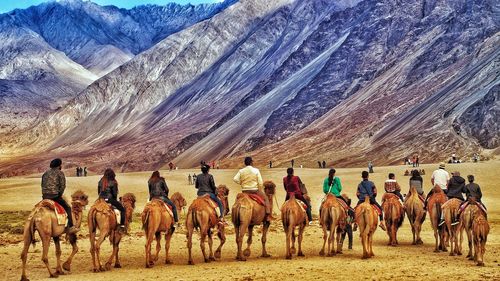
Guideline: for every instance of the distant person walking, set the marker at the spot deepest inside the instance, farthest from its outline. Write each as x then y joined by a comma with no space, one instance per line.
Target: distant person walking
370,167
190,180
85,171
417,161
194,178
77,171
292,162
324,164
319,164
270,164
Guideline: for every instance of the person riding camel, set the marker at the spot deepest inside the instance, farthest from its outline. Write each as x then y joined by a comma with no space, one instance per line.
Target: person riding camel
158,189
292,185
53,186
367,188
472,190
250,180
392,186
206,185
417,182
456,186
107,188
332,185
439,177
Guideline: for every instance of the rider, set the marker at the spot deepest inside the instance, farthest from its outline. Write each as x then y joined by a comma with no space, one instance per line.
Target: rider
158,189
392,186
107,188
206,185
53,186
332,185
439,177
417,182
456,186
367,188
292,184
473,190
250,180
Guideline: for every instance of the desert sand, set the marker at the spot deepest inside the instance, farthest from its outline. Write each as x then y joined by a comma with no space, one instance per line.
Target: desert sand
404,262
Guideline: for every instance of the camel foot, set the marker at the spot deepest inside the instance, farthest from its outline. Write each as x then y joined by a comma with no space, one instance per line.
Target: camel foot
480,263
332,254
300,254
96,270
101,269
292,250
289,257
167,261
452,254
414,243
60,272
117,265
217,254
420,242
246,252
241,259
66,266
107,266
459,253
339,252
322,253
54,275
372,255
436,251
207,260
470,258
211,258
24,278
364,257
190,262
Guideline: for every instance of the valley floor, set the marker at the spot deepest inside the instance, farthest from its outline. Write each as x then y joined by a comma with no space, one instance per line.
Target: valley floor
405,262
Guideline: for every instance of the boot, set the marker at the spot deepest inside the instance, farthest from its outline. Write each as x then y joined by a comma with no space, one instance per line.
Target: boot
382,225
122,229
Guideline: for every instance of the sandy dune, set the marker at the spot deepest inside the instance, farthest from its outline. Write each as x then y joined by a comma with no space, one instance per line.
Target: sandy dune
405,262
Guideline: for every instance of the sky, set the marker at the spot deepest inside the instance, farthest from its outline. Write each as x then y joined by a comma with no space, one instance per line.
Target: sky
9,5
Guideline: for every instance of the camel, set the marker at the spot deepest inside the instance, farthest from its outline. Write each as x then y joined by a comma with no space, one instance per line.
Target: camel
178,201
247,213
333,219
101,216
393,215
222,193
43,220
201,215
293,215
466,218
416,215
367,220
480,230
450,213
434,203
155,220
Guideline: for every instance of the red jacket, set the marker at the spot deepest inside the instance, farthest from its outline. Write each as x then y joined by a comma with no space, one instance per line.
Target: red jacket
292,185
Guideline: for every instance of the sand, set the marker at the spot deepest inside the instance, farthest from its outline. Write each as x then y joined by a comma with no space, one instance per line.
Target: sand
404,262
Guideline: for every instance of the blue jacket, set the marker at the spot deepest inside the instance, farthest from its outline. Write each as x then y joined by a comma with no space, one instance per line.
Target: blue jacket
366,188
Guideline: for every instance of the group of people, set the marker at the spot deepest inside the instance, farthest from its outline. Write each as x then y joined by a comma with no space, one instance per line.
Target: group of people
250,180
81,172
410,173
192,179
414,161
322,164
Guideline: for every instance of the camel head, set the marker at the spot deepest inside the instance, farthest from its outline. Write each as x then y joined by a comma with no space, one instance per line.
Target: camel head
178,200
128,200
222,191
269,188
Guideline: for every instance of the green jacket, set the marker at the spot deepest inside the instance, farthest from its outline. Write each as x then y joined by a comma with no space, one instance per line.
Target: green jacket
336,186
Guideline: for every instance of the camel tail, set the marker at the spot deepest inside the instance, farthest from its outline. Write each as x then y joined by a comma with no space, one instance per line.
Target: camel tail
30,232
145,221
196,223
235,215
286,219
91,221
439,213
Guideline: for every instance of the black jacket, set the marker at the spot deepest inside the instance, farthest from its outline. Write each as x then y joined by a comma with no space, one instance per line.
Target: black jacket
456,186
205,184
110,192
473,190
158,188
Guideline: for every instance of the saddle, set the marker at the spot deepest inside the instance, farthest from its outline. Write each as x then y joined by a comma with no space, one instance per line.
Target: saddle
212,203
61,215
467,203
450,200
257,198
163,205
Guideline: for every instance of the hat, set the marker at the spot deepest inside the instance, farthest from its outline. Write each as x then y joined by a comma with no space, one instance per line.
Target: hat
441,165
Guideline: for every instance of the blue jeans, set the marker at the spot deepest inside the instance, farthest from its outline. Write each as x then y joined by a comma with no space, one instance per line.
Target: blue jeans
171,204
216,199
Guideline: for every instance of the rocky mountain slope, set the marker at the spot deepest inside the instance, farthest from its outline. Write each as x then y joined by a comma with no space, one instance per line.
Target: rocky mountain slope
349,82
52,51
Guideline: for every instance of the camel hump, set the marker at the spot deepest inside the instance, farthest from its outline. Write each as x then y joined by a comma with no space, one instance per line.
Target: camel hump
367,199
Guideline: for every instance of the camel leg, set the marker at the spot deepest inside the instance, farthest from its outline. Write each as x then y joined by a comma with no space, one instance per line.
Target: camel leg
481,249
437,238
116,244
190,243
338,239
325,237
292,249
203,233
247,251
210,245
93,250
418,230
24,253
168,237
364,242
45,255
469,242
370,245
222,238
299,238
331,238
240,234
265,228
288,242
67,264
117,260
158,246
97,246
57,243
147,249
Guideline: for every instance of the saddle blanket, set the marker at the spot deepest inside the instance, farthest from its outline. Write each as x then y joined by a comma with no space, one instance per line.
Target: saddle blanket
257,198
479,204
302,205
448,202
118,215
61,215
212,203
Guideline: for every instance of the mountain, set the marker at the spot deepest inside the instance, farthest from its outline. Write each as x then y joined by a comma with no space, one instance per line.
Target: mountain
51,52
348,82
